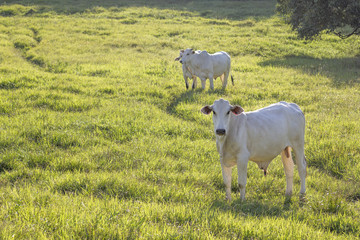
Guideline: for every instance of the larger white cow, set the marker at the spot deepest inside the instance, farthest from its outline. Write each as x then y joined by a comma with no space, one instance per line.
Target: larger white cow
258,136
207,66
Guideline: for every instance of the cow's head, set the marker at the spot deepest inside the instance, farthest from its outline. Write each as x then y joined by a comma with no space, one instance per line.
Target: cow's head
185,54
221,115
180,56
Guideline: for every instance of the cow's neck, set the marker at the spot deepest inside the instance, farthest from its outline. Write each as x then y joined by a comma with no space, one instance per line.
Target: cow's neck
221,142
236,129
188,67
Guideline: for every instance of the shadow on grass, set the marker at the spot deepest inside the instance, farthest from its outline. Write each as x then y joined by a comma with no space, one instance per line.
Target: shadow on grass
255,207
184,97
250,207
217,91
190,96
235,10
342,71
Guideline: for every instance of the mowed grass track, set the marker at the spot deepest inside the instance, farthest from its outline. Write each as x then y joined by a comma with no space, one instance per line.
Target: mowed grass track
100,140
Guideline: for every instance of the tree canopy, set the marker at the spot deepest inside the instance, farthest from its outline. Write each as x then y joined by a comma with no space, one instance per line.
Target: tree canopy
310,17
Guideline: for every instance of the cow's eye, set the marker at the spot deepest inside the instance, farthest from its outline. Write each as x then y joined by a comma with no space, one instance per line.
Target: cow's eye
214,112
228,112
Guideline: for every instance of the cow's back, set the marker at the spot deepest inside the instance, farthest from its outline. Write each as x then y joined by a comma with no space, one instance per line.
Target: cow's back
221,63
274,127
280,108
201,60
281,112
294,114
220,59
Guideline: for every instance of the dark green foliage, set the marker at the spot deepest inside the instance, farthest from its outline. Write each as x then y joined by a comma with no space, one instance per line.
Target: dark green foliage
309,18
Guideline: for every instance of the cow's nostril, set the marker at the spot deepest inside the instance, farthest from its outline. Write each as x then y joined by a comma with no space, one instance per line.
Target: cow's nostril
180,61
220,131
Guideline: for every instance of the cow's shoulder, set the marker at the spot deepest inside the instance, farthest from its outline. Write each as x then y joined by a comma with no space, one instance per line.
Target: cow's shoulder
204,53
202,60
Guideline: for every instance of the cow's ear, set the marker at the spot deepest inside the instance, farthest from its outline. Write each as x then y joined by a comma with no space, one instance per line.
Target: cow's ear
177,59
182,50
206,110
236,109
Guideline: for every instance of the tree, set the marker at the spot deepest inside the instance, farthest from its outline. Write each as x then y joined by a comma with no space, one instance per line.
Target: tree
310,17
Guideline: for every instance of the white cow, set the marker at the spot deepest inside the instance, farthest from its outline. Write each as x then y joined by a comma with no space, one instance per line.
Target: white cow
205,65
258,136
186,73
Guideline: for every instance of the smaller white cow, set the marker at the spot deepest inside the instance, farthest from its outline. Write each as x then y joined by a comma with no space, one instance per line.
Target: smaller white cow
258,136
186,73
207,66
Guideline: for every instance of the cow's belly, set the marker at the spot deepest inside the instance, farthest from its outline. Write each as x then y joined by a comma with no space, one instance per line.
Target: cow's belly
216,76
264,156
203,75
219,72
264,152
261,155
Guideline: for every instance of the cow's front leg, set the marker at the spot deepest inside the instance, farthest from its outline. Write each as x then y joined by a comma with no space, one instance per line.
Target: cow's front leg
289,169
211,80
301,164
194,82
203,81
186,82
242,163
226,172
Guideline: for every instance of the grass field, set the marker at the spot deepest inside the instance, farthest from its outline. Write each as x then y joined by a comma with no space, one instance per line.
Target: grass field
99,138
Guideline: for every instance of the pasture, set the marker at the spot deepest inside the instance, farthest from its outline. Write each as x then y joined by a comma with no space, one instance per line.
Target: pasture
99,139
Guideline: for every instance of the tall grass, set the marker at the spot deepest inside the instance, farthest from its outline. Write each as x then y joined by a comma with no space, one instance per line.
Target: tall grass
99,138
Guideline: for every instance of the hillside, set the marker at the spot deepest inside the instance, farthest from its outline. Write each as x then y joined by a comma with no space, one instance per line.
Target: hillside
99,138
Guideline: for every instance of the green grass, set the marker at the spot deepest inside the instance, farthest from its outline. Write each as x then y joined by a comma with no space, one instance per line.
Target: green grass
100,140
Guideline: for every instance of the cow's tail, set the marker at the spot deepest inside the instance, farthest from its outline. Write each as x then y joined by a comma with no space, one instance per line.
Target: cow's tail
232,80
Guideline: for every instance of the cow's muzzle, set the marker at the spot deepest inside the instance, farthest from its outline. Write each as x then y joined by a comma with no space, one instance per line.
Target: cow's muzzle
220,132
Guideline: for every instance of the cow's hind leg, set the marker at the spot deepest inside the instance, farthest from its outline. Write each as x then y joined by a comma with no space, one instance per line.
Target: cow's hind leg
289,169
222,79
301,164
226,76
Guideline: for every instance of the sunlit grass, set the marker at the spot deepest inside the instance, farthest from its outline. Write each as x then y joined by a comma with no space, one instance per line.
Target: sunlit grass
100,139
